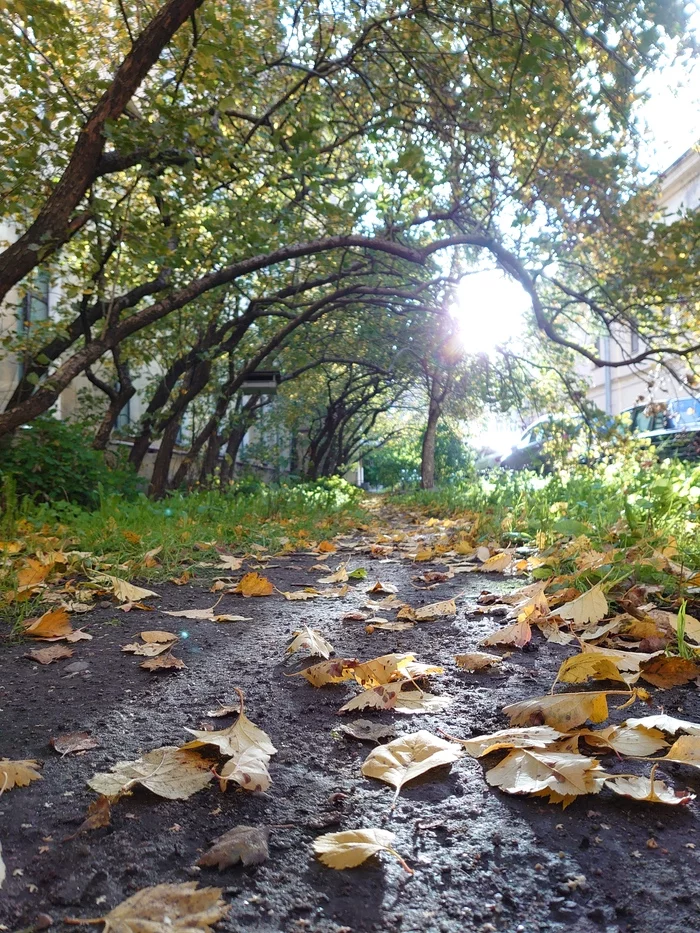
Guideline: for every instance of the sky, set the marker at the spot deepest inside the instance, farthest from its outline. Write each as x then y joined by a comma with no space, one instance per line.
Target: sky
490,306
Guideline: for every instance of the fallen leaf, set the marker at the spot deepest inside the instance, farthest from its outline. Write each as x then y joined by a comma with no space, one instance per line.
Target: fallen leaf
150,650
124,591
252,584
685,750
367,731
247,768
583,667
52,624
633,741
246,844
170,772
394,696
477,660
157,637
528,737
329,672
78,635
301,594
359,573
382,670
168,908
99,814
207,615
666,723
228,562
353,847
409,756
386,589
648,789
518,634
73,742
224,711
17,773
561,776
326,547
496,563
311,640
664,672
355,616
591,606
563,711
163,662
383,625
50,654
446,607
340,576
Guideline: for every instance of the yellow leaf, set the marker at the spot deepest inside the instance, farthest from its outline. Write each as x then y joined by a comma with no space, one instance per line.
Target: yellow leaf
239,737
168,908
666,723
665,672
124,591
477,660
565,774
583,667
386,589
529,737
591,606
382,670
685,750
648,790
625,739
394,696
446,607
17,773
53,624
252,584
340,576
353,847
564,711
409,756
518,634
170,772
326,547
497,563
329,672
249,769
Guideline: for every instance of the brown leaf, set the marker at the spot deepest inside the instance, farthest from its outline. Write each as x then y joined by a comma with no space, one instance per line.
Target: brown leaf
176,908
446,607
163,662
73,742
562,711
53,624
253,584
477,660
99,814
50,654
665,672
246,844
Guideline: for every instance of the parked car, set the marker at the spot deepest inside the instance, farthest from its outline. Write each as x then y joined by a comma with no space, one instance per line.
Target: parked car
528,453
672,426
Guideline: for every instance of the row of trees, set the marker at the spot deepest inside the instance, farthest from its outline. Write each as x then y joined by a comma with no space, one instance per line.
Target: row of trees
221,186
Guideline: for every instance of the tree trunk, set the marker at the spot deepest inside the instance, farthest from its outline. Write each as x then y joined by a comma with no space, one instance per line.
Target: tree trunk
427,464
161,468
104,432
231,455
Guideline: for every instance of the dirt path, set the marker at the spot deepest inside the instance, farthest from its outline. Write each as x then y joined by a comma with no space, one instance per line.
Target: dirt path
483,860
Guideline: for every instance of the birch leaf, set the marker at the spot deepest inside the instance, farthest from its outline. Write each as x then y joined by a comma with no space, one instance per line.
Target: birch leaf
300,595
409,756
168,908
353,847
477,660
313,641
385,589
447,607
524,771
170,772
366,731
562,711
17,773
164,662
591,606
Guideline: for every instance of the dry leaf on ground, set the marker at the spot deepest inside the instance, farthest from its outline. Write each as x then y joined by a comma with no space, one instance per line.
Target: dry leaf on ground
50,654
307,593
409,756
583,667
385,589
99,814
17,773
228,562
171,772
208,615
246,844
329,672
563,711
447,607
528,737
239,737
73,742
518,634
326,547
685,750
248,769
666,723
591,606
367,731
648,789
340,576
665,672
496,563
353,847
168,908
382,670
560,776
477,660
385,626
124,591
253,584
54,624
355,616
164,662
313,641
394,696
626,740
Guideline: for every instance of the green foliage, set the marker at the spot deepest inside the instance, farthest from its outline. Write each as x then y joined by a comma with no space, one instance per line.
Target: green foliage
53,460
397,463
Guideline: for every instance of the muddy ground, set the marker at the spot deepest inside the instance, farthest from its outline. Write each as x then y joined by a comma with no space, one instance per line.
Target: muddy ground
483,861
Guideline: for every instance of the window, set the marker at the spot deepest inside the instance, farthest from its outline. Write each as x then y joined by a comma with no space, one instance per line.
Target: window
124,417
35,306
634,343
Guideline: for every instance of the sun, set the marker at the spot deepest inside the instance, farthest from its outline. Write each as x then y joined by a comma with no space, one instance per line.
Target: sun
490,311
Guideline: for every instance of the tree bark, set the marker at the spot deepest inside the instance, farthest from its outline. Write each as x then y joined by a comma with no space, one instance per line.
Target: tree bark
54,226
427,464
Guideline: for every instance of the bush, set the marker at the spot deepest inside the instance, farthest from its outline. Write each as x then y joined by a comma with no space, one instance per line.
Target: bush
51,460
